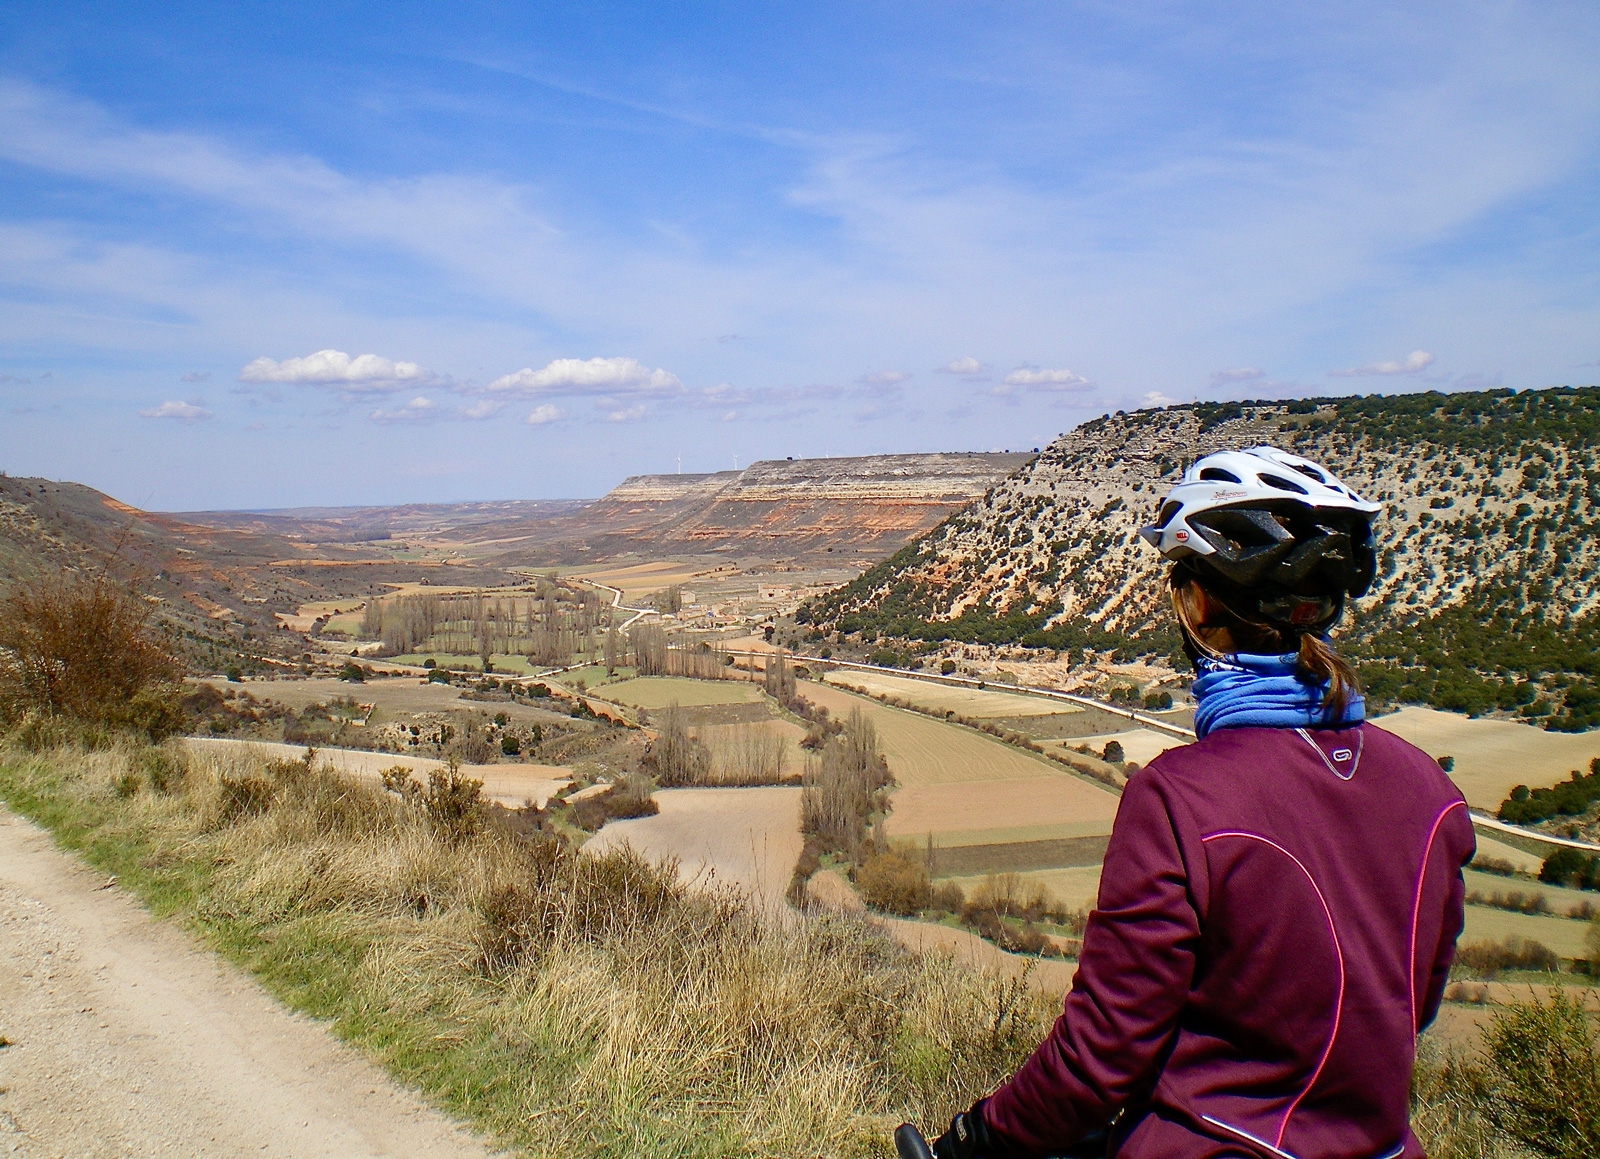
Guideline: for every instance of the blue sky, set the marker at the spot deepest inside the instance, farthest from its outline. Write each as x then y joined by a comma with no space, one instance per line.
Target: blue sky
271,255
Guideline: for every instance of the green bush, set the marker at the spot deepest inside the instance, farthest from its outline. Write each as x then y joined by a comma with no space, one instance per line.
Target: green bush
1569,867
1544,1058
1568,798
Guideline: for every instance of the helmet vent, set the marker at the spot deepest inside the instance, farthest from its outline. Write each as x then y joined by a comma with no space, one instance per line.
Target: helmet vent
1310,472
1282,484
1218,475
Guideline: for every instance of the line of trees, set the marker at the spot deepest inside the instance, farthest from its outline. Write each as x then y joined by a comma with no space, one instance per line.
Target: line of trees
550,625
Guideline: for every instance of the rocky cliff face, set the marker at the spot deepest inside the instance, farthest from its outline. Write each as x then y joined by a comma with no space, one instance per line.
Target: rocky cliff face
864,505
1488,570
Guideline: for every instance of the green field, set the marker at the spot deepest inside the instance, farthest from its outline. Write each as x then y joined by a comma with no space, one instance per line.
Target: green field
660,691
1563,935
924,751
1561,900
980,703
503,663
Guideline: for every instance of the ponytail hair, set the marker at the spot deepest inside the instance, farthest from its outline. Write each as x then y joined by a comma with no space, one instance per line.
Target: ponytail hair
1211,628
1317,658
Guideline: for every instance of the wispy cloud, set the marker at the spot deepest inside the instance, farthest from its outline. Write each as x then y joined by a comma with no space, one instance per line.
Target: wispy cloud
186,412
363,374
195,376
885,378
1236,374
630,414
967,367
419,409
1414,363
545,413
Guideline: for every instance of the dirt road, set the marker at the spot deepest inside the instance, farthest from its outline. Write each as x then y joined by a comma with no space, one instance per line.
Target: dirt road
123,1039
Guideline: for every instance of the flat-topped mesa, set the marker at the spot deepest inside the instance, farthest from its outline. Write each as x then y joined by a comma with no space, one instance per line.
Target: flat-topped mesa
941,477
668,488
868,504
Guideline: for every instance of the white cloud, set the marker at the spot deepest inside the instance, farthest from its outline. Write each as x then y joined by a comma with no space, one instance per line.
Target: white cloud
630,415
187,412
1236,374
885,377
486,409
366,373
592,376
540,415
1042,379
968,365
1416,362
416,410
1156,398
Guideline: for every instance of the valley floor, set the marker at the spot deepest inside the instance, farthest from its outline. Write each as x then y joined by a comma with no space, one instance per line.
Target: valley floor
123,1039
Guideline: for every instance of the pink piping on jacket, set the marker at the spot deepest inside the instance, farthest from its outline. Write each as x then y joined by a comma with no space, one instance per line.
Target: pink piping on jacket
1338,951
1416,905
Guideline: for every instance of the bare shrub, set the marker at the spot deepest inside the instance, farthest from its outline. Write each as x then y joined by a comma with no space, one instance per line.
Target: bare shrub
844,787
1487,958
748,755
628,797
676,757
452,803
779,678
895,883
472,747
84,649
648,643
701,661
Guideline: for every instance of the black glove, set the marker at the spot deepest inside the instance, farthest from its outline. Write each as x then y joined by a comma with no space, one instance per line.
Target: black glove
967,1138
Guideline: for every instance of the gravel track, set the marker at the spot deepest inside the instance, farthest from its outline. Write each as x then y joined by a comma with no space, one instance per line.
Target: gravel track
126,1040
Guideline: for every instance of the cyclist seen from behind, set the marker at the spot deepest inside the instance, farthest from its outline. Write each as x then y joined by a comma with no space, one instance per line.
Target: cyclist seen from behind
1280,900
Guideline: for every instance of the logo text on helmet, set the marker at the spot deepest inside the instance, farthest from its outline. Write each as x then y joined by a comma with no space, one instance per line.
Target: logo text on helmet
1229,494
1181,536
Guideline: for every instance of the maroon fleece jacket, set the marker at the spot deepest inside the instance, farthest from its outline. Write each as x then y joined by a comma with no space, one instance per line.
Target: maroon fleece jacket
1277,916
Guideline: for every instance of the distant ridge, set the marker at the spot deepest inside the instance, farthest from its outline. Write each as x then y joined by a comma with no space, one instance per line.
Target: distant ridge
865,506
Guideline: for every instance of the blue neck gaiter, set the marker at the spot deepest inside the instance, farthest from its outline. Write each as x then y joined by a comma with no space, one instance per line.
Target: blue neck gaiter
1243,691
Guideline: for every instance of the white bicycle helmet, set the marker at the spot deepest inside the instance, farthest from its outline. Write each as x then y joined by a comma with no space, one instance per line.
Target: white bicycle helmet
1285,538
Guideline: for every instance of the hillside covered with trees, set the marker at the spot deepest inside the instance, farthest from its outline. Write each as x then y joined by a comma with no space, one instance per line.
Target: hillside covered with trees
1486,596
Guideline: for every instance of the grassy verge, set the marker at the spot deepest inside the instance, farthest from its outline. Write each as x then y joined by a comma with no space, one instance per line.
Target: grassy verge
566,1005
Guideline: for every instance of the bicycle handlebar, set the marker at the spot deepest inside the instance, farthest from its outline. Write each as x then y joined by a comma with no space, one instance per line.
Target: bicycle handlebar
910,1144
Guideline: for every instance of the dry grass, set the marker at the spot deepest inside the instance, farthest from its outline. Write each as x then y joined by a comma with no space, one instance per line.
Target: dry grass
572,1005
